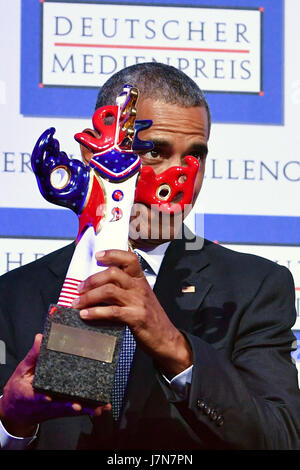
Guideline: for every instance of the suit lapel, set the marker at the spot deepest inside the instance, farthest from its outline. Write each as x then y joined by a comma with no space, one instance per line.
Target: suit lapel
181,285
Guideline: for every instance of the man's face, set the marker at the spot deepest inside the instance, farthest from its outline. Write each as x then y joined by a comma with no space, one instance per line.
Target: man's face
176,132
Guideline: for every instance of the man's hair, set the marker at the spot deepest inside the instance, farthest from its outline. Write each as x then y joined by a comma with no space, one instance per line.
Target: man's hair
156,81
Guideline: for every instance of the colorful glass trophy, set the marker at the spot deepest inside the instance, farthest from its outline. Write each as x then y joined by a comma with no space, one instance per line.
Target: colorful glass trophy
78,359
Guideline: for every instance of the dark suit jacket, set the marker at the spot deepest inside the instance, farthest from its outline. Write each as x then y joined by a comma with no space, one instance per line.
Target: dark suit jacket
244,392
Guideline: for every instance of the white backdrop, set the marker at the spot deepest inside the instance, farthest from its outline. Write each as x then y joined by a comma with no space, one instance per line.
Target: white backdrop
236,183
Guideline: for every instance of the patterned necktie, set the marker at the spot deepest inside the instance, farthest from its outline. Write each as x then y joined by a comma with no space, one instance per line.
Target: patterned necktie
144,265
125,360
122,372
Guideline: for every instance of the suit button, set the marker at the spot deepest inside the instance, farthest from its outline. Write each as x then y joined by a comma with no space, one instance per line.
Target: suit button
220,420
213,415
206,410
200,404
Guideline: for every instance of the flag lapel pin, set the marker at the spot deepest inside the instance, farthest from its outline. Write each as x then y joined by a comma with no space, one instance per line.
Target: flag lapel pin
188,289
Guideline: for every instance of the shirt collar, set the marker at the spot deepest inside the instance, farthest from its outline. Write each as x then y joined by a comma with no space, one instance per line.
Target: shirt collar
155,256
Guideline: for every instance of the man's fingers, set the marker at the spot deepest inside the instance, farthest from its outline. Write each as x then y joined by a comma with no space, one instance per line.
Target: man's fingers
113,275
98,411
68,408
109,312
125,260
106,294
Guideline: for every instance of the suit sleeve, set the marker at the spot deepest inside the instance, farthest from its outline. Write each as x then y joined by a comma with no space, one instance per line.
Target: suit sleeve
249,399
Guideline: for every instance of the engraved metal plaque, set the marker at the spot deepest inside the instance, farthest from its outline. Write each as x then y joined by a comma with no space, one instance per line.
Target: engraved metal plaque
84,343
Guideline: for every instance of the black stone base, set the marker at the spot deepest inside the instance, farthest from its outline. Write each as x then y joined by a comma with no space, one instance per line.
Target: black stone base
78,358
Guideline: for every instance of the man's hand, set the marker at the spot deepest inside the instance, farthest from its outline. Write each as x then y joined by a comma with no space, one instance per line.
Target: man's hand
121,293
22,409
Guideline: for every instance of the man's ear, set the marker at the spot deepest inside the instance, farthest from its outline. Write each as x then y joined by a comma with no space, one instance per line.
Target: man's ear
87,153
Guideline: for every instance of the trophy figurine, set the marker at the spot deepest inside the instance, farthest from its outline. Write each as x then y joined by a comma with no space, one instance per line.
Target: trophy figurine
78,359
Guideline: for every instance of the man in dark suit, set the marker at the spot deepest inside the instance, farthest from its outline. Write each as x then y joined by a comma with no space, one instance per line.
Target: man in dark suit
212,367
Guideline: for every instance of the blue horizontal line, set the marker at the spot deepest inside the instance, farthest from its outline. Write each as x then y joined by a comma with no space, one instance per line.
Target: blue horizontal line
260,229
37,223
225,228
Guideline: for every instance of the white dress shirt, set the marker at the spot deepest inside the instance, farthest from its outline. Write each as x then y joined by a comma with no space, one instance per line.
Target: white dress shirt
178,383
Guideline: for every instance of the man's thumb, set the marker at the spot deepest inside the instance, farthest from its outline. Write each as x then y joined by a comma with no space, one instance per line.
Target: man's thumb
31,358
